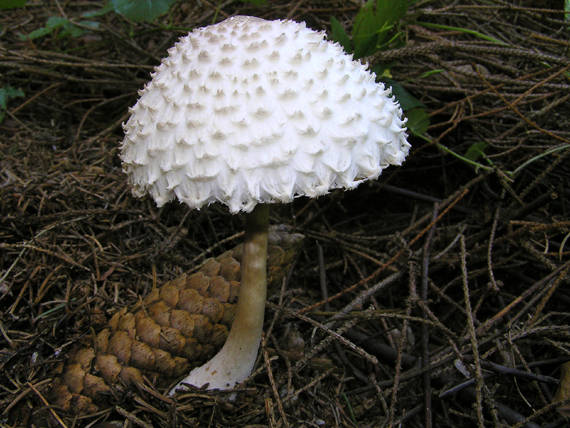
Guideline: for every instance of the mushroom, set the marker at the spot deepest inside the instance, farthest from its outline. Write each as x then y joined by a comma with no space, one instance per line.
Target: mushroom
249,112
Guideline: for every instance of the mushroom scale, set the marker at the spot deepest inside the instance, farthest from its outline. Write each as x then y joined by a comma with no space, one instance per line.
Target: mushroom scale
251,111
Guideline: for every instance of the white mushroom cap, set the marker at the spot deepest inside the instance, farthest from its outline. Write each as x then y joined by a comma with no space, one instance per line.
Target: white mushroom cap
251,111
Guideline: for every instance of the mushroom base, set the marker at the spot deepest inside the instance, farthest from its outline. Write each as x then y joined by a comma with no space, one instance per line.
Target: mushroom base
234,362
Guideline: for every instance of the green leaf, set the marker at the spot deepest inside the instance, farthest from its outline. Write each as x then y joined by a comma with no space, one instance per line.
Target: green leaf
407,101
11,4
463,30
67,27
373,23
98,12
256,2
338,34
476,150
90,24
52,24
72,30
364,31
141,10
431,72
6,94
382,71
56,22
418,121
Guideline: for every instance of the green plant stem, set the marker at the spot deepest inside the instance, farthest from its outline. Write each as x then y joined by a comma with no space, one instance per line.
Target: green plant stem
457,155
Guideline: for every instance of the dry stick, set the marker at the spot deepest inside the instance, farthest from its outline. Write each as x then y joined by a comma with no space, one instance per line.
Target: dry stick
4,334
521,124
366,256
379,392
512,416
537,85
46,285
287,362
174,238
425,329
363,251
24,288
451,336
479,93
284,283
521,334
80,63
60,256
490,250
268,411
422,197
21,395
397,255
325,295
529,122
537,113
323,275
539,227
467,394
524,98
148,408
94,107
408,415
402,341
520,99
513,371
332,335
538,255
543,294
292,12
540,177
373,314
546,409
499,315
500,369
359,300
431,47
547,296
109,129
272,382
309,385
210,249
42,398
132,418
151,391
277,314
33,97
472,334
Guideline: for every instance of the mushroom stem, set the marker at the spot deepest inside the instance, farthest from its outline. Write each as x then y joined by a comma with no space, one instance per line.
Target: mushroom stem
234,362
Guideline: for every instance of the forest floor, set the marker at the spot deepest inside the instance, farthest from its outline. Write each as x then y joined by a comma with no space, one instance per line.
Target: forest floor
438,295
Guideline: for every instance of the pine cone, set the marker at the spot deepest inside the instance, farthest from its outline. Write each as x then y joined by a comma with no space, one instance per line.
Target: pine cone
175,328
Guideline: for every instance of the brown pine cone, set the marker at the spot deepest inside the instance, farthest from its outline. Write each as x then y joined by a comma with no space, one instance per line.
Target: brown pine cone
175,328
